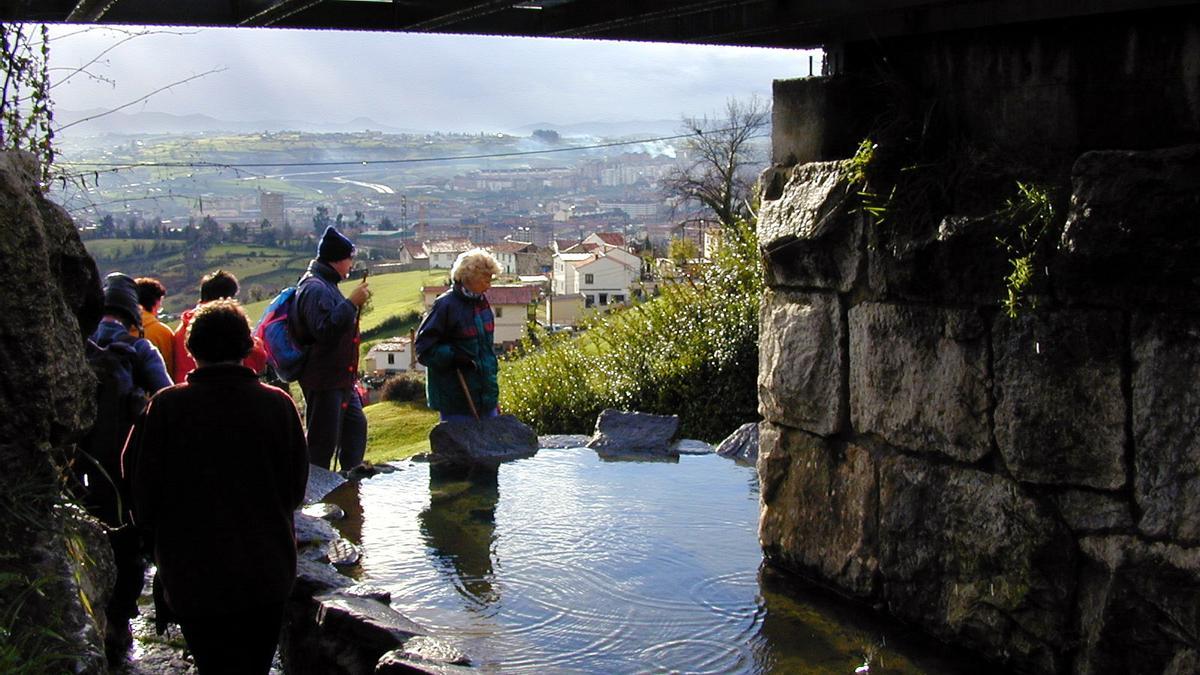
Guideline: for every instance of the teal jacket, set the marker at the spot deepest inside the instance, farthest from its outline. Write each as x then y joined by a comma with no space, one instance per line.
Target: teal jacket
459,322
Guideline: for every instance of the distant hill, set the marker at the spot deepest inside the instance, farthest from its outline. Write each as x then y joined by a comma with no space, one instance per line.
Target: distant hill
606,129
165,123
146,122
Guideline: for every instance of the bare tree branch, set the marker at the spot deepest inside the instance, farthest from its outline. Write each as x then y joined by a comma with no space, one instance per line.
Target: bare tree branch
716,177
129,35
140,98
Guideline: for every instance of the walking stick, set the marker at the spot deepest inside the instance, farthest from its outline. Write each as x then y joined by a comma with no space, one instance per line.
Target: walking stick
467,392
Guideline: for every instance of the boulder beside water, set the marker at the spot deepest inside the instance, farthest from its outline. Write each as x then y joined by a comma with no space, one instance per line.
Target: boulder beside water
321,482
742,444
621,432
479,446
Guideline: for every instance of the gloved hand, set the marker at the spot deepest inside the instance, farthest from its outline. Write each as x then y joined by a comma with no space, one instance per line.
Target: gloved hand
463,360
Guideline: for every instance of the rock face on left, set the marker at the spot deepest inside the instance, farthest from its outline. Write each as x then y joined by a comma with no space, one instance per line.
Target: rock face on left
49,300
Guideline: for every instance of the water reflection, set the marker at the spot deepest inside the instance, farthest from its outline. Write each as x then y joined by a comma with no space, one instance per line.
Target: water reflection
595,566
459,527
806,628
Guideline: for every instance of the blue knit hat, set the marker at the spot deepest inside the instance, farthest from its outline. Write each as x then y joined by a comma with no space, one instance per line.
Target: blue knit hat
334,246
121,298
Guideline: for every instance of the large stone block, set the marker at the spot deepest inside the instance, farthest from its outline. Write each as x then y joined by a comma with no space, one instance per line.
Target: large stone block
1166,414
919,378
977,562
801,363
479,446
1133,231
742,444
809,226
818,508
1139,607
1093,512
353,633
954,260
1060,410
624,432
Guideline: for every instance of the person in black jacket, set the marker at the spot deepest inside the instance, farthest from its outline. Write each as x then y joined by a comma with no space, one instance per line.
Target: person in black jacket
333,409
217,466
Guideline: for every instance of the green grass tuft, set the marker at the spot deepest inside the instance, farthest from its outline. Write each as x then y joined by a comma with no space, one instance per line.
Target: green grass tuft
397,430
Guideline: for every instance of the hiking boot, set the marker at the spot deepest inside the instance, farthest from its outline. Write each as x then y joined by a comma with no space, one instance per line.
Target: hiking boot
117,642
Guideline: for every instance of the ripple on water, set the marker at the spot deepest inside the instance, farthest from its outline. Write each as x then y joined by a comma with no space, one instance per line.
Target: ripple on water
570,564
702,656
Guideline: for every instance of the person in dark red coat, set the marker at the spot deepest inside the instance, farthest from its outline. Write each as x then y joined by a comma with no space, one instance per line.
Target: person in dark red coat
219,285
217,466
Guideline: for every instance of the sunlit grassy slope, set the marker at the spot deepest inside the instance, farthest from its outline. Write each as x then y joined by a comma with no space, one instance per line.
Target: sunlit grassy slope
392,294
397,430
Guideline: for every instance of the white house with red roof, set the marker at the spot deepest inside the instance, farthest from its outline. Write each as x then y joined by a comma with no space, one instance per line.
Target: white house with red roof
392,355
511,305
508,254
606,239
412,252
442,254
603,279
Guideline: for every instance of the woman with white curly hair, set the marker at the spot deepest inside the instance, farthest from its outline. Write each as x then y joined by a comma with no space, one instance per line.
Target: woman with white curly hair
455,343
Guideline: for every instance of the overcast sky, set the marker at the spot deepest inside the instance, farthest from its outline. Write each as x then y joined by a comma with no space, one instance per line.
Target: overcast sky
409,80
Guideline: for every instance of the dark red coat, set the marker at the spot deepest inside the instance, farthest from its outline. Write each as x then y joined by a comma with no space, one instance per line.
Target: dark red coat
217,466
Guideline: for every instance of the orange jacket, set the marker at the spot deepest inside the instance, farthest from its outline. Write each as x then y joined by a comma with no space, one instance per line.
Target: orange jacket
159,334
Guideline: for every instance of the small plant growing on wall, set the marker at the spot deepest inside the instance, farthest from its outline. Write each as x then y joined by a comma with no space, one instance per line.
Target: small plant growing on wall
25,105
1033,217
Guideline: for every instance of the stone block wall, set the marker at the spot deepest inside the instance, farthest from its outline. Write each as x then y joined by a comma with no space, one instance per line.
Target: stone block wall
1028,487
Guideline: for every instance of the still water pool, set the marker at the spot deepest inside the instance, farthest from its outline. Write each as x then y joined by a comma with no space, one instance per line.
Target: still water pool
573,564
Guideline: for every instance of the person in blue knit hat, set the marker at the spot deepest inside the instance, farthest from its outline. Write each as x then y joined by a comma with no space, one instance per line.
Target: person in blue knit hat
145,367
328,321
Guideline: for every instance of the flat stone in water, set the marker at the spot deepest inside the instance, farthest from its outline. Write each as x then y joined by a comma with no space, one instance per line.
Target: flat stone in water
321,482
324,511
372,624
428,648
314,577
563,441
691,446
480,445
313,530
400,662
365,590
341,552
621,432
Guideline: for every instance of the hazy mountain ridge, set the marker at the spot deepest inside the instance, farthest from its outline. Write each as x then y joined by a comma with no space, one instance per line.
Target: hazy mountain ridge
148,122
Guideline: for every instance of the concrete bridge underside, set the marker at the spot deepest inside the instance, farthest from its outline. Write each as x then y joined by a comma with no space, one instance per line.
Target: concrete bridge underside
773,23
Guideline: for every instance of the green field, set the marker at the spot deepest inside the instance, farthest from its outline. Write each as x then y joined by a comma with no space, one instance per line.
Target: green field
397,430
118,248
391,295
261,270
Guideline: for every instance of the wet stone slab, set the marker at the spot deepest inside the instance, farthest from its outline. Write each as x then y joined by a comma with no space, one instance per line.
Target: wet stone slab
321,482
